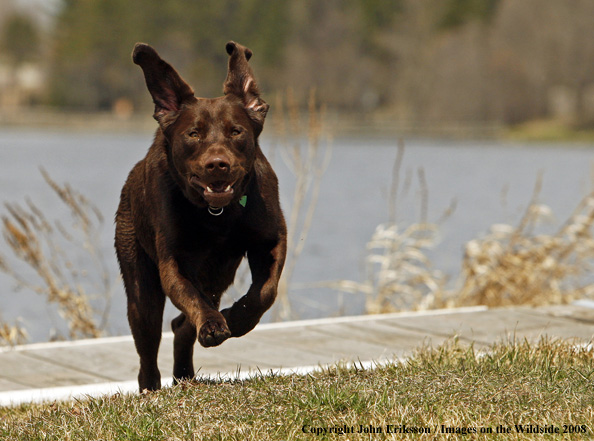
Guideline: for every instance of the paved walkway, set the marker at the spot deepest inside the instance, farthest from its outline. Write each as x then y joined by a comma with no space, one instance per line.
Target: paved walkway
53,371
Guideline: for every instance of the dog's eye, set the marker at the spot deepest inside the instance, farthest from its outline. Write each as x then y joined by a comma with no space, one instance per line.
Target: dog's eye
236,131
193,134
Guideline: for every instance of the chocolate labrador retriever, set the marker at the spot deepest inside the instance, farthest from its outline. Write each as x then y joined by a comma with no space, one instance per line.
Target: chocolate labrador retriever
202,199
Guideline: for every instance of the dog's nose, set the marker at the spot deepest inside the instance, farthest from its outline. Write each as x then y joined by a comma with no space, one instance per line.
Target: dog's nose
218,163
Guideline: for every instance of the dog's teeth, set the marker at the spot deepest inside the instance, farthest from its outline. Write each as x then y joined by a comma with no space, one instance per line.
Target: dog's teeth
228,188
209,190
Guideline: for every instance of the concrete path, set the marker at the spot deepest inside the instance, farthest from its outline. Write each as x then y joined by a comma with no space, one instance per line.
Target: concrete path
54,371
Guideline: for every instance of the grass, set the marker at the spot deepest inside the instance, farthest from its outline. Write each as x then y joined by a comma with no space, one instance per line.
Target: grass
552,130
458,387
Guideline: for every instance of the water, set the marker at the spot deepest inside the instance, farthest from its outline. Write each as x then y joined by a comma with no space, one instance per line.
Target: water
491,181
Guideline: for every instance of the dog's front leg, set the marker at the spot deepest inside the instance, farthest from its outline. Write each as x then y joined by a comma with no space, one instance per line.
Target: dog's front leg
266,265
211,325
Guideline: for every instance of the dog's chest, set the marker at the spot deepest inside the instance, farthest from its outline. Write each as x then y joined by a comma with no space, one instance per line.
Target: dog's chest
209,259
211,239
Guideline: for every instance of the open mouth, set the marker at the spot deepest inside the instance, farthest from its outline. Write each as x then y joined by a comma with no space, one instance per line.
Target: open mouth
219,187
217,194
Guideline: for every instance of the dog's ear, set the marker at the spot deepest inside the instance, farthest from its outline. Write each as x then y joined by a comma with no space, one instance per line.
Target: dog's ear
242,83
166,86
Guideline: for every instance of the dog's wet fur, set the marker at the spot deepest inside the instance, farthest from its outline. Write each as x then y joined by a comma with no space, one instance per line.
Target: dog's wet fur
202,199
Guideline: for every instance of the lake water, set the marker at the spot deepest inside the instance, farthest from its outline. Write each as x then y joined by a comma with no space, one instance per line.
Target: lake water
491,181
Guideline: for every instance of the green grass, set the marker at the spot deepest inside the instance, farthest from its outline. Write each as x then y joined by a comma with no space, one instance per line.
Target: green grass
549,131
546,384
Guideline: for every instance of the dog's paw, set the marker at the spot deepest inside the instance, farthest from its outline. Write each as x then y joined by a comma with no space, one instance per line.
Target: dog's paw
239,321
213,333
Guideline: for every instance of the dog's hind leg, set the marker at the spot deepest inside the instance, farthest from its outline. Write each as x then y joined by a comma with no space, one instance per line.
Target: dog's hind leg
146,302
183,348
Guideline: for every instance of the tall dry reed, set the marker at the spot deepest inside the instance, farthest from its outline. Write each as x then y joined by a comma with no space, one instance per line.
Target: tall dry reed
511,265
518,266
399,274
12,334
52,251
305,147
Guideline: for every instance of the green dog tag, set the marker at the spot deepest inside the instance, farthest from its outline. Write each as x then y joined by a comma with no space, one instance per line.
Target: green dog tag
243,200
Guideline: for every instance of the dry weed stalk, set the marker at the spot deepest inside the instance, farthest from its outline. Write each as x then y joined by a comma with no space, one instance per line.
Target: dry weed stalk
400,275
307,161
399,272
35,241
516,266
11,335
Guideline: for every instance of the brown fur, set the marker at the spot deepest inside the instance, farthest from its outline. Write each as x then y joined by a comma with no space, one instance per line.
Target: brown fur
167,241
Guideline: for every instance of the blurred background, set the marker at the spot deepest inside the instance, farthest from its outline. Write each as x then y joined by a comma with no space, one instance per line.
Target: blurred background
431,153
410,62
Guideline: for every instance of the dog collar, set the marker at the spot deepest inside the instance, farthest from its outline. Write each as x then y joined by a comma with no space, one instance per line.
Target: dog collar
217,211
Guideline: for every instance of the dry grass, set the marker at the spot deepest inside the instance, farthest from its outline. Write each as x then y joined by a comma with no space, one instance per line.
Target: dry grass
518,266
11,335
397,263
511,265
39,243
399,273
400,276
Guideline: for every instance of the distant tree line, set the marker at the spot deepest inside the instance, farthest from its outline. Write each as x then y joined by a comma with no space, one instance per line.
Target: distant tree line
418,60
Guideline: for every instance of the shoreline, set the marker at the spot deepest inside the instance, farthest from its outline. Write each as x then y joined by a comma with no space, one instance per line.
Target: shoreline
364,125
378,125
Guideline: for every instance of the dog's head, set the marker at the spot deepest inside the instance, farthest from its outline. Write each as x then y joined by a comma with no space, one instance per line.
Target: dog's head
211,143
